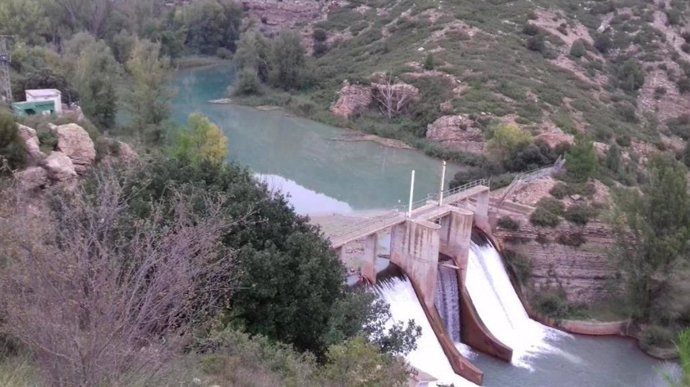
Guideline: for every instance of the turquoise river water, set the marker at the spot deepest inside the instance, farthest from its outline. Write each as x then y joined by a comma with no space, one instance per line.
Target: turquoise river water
322,175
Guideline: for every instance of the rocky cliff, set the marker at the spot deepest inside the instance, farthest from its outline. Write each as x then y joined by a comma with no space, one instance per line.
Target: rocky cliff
584,273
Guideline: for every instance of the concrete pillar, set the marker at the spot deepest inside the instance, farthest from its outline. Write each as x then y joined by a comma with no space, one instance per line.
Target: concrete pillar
367,262
415,247
481,209
457,235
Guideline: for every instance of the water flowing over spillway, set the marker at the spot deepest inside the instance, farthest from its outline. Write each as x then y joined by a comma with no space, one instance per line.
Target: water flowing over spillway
429,356
448,300
501,310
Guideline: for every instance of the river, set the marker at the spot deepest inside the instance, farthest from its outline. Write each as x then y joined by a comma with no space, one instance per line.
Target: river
323,175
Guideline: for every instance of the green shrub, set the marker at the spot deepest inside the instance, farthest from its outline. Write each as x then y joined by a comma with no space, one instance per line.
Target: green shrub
683,85
248,83
551,303
656,336
11,145
680,126
508,223
223,53
521,265
559,191
578,49
542,217
47,139
531,29
574,239
536,43
320,35
579,214
552,205
429,63
602,43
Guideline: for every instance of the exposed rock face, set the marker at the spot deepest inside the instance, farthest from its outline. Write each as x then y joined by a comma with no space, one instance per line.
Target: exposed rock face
553,136
457,132
31,144
32,178
277,15
353,100
76,144
584,273
59,167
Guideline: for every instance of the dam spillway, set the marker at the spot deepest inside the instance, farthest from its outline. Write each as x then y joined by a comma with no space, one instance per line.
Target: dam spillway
429,357
501,310
448,301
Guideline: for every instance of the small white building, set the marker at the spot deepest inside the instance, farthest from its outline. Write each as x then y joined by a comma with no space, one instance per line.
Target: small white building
40,95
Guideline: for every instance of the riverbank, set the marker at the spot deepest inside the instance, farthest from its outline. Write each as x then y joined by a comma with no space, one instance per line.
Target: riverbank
314,105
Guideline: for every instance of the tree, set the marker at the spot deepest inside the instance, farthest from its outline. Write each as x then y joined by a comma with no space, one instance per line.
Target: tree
201,140
99,296
429,62
652,230
393,98
288,61
94,72
149,98
614,161
578,49
507,140
630,75
581,160
24,18
684,354
254,54
211,24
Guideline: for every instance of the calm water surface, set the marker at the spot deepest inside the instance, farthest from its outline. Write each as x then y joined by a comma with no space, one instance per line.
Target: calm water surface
300,157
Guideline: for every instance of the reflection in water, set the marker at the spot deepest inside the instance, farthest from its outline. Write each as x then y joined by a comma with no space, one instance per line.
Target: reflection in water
305,201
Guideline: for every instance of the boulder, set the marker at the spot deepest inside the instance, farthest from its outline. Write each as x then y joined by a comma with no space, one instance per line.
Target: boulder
352,100
76,144
457,132
31,144
395,98
59,167
32,178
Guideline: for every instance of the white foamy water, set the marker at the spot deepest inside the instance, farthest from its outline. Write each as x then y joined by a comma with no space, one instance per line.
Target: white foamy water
502,312
428,356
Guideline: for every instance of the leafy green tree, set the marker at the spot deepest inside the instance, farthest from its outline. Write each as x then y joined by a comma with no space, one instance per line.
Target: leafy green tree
254,54
581,160
614,161
429,62
652,231
288,61
148,100
211,24
201,140
630,75
507,140
360,313
357,363
25,19
94,72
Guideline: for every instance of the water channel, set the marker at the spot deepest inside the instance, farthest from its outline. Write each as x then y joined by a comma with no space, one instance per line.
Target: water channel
324,175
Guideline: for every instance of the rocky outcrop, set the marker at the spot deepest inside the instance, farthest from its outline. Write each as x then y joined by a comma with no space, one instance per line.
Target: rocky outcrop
76,144
353,100
31,144
584,273
457,132
59,167
274,16
32,178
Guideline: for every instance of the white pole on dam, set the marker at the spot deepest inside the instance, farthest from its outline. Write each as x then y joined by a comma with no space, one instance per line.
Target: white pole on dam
443,183
409,207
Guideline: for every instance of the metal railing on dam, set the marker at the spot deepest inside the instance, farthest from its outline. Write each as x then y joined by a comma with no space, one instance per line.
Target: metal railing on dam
398,214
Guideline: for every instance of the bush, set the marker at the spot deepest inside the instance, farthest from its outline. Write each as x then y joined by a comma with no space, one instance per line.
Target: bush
574,239
521,265
429,62
544,218
602,43
578,49
320,35
508,223
551,303
656,336
11,145
559,191
680,126
531,29
579,214
552,205
248,83
683,85
630,75
536,43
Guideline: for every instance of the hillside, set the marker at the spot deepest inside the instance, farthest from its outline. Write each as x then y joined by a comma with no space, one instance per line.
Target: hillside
616,70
